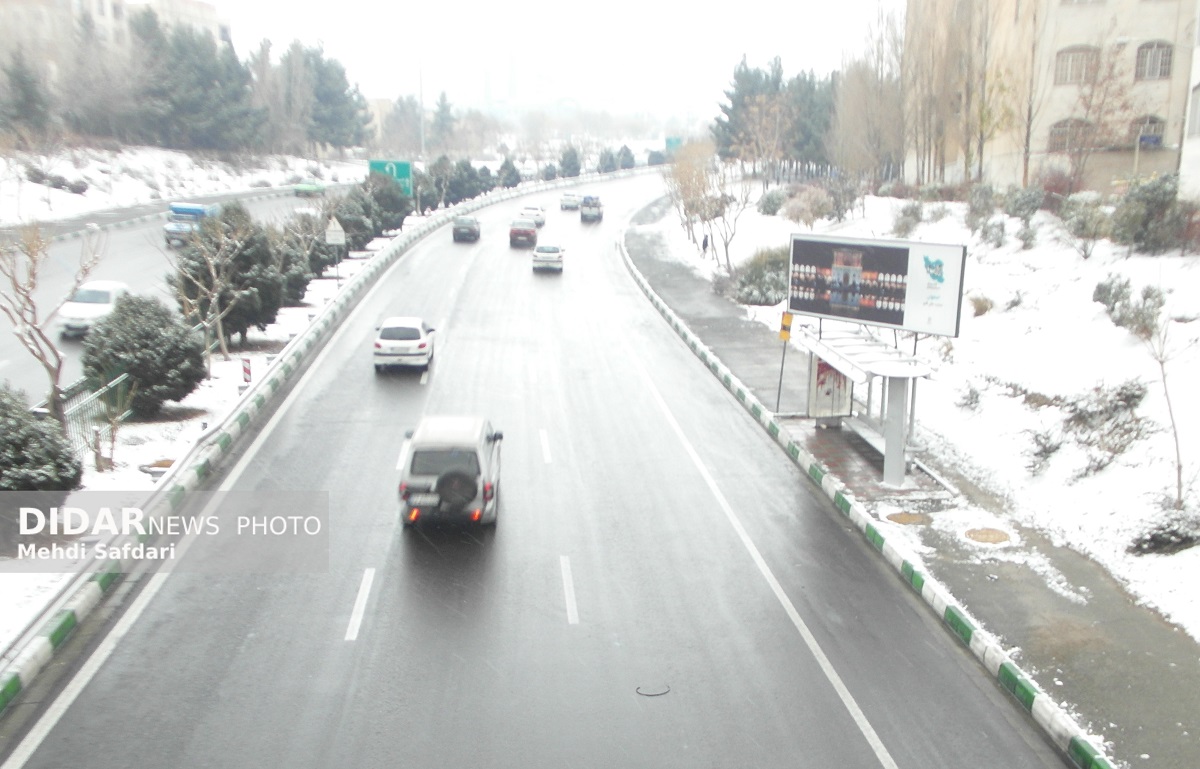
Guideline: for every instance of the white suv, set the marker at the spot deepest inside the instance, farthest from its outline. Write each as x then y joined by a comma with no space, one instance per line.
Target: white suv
450,471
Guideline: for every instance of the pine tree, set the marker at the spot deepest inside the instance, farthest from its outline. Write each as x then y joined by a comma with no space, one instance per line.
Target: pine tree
141,337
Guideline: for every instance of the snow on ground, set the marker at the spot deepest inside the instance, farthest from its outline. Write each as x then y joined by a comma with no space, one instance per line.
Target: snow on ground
118,179
1043,336
132,177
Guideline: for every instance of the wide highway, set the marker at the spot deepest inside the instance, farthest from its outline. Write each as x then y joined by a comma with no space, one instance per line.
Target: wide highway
663,589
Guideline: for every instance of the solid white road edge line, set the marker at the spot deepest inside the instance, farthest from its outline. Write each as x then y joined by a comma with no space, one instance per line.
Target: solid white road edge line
860,719
360,604
545,445
40,730
569,590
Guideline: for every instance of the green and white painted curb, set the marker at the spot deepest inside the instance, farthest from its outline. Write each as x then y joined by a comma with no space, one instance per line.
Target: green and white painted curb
1062,730
213,448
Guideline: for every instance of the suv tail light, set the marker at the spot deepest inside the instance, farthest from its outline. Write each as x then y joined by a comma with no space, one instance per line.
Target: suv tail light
476,514
489,491
404,491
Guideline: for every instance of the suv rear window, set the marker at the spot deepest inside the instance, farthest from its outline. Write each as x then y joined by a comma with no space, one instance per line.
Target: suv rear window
464,221
400,333
438,461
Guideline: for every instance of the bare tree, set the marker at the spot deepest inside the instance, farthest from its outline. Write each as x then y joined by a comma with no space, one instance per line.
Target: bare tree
21,263
729,194
688,183
866,135
1103,109
1157,343
204,282
765,121
987,98
931,87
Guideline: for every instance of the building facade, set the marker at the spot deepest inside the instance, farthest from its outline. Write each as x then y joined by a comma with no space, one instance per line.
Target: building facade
1094,89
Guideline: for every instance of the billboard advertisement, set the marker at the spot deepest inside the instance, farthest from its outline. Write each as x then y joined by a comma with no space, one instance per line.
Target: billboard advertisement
902,284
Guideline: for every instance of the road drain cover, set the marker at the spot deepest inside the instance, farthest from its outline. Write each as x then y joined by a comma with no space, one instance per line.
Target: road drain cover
910,518
656,690
990,536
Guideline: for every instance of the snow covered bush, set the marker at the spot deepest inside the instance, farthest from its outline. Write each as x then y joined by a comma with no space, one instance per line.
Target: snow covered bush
981,204
770,203
981,304
35,456
1141,316
34,453
907,219
1086,221
143,338
1023,203
762,280
1045,444
992,233
1147,218
808,206
1027,235
1105,423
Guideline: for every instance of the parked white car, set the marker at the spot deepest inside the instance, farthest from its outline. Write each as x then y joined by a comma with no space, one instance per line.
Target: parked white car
90,303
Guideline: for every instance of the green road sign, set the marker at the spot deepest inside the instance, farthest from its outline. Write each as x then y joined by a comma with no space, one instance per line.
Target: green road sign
400,170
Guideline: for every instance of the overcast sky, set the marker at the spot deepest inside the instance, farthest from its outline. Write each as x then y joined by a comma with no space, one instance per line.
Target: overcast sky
623,56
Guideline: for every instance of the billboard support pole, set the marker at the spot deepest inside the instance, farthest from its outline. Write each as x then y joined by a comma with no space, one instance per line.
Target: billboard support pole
779,392
893,432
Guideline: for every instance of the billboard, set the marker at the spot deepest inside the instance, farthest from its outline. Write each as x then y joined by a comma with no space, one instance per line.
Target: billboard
901,284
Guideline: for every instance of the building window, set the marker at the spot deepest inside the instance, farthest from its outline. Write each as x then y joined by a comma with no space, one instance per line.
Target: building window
1154,61
1067,135
118,11
1148,130
1075,65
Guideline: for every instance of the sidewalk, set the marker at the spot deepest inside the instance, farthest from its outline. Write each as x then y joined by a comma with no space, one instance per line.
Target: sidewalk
1119,669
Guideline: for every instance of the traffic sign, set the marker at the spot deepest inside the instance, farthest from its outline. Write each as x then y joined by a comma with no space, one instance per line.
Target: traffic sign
334,234
400,170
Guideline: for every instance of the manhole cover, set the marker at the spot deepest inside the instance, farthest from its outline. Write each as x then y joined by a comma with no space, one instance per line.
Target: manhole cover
655,690
990,536
910,519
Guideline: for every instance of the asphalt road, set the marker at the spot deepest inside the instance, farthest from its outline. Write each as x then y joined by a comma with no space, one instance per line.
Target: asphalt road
134,254
663,589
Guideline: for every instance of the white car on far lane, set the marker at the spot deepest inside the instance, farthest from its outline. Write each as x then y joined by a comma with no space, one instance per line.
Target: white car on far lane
536,214
90,303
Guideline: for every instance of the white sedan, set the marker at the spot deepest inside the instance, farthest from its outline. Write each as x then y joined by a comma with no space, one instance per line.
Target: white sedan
534,213
90,303
403,341
548,258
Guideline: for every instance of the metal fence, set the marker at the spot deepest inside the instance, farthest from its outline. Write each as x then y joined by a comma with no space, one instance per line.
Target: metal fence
90,416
